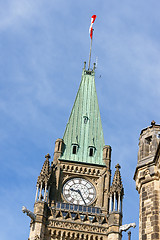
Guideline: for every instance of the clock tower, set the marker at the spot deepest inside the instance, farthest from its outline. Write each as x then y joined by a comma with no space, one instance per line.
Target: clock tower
75,198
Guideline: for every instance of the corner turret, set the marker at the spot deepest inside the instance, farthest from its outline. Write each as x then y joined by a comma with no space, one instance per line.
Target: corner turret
116,192
115,206
43,181
38,225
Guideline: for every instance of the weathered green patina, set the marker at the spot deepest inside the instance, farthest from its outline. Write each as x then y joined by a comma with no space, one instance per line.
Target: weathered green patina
84,130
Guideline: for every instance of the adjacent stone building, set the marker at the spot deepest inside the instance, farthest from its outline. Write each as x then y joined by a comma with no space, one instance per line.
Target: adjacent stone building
75,198
147,177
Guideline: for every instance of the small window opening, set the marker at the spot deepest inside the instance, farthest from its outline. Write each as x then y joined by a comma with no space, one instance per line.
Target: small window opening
91,151
148,145
58,146
85,119
106,153
74,149
148,140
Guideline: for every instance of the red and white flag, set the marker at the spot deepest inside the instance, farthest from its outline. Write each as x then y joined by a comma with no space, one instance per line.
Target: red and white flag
93,18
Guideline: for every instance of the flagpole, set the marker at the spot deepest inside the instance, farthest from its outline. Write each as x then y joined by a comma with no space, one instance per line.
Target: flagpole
90,55
91,36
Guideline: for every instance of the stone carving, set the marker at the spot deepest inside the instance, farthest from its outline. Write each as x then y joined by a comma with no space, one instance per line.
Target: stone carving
72,235
29,213
80,227
125,227
82,170
146,172
36,237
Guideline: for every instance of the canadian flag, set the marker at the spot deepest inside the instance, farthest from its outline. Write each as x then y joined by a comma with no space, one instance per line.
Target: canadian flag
93,18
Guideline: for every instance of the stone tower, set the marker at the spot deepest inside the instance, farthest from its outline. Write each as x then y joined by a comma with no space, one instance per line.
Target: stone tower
75,198
147,177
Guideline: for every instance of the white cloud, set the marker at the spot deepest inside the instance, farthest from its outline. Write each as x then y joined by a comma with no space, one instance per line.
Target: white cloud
13,12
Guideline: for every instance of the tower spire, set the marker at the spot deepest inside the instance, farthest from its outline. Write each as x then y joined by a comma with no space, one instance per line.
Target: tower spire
83,137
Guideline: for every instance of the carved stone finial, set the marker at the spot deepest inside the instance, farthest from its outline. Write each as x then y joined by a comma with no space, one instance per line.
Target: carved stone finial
117,166
45,172
117,185
84,65
48,156
153,123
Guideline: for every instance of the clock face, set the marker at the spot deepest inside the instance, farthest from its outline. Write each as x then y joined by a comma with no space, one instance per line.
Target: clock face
79,191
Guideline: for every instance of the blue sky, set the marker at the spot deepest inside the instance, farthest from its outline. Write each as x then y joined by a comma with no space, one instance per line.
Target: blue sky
43,45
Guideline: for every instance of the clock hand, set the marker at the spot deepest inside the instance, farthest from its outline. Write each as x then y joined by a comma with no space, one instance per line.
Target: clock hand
78,191
74,190
81,196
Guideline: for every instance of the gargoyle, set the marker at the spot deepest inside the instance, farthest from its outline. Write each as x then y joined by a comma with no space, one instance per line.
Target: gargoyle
125,227
29,213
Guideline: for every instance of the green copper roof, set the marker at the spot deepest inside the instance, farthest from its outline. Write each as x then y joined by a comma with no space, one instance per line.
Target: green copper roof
84,128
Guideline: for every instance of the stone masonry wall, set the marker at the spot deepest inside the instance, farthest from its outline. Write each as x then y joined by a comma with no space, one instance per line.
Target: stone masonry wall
149,211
